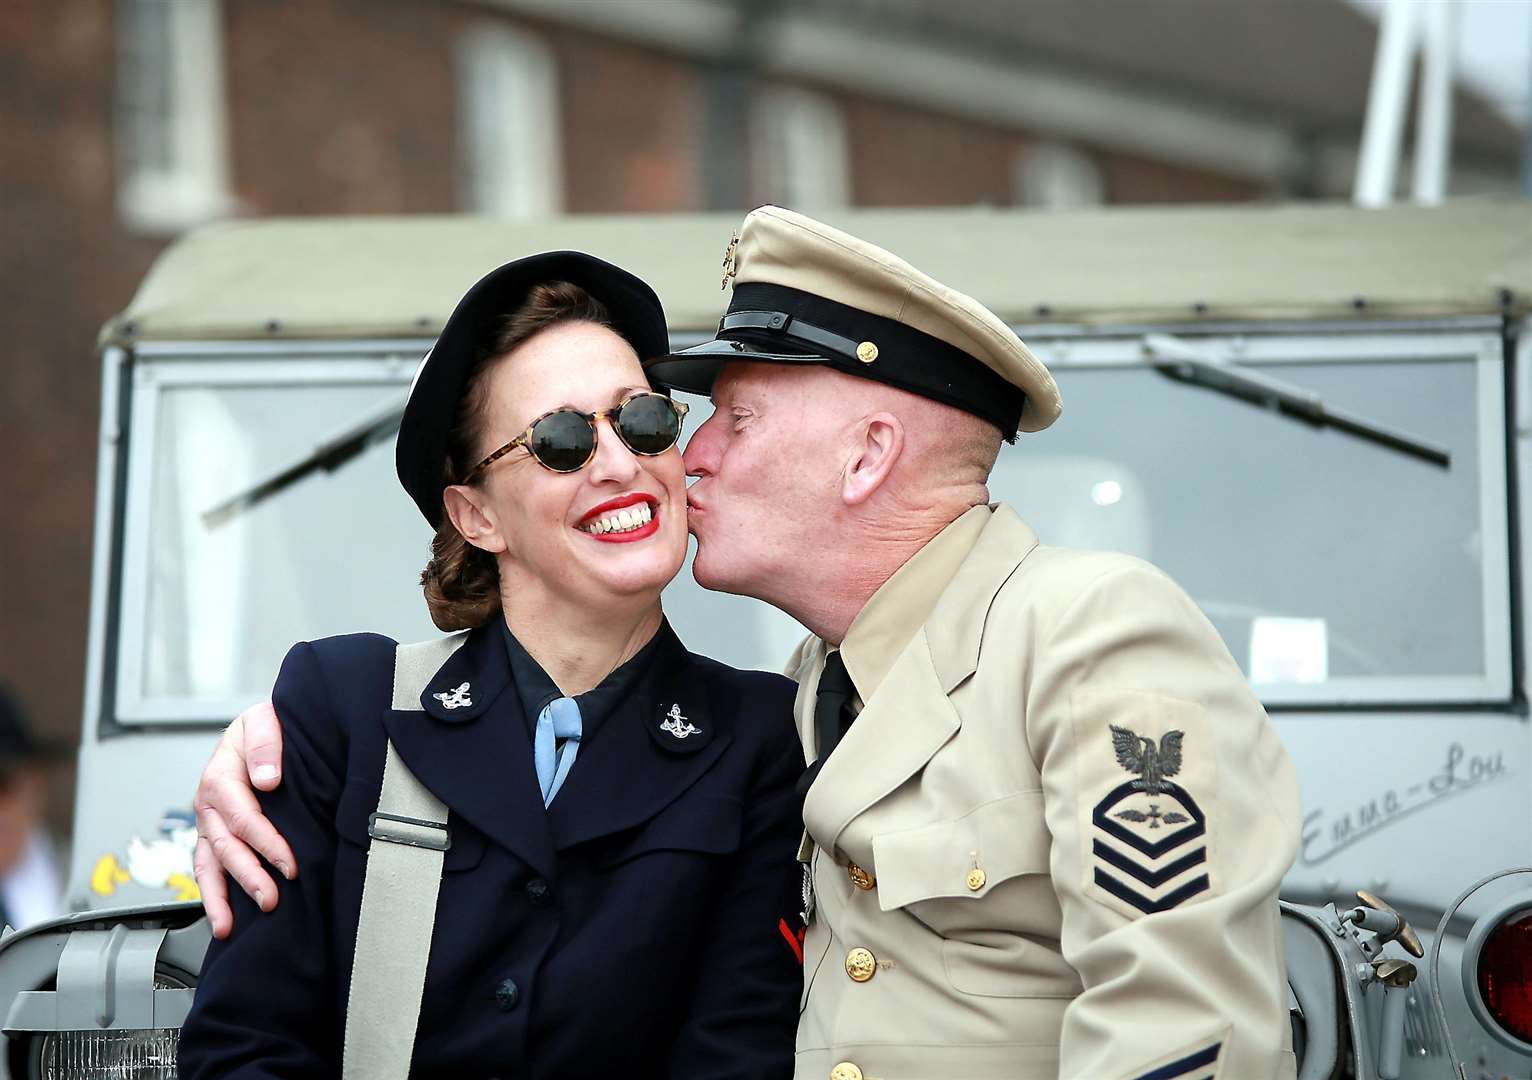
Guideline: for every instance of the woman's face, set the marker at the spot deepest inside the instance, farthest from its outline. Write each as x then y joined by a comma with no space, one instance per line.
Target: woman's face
557,533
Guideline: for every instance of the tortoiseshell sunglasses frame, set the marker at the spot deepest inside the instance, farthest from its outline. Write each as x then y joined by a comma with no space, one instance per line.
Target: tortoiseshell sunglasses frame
680,407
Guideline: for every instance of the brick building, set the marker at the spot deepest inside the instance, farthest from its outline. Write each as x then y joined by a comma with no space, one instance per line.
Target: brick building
124,122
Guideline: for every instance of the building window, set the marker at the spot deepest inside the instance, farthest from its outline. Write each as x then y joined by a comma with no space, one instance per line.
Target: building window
1056,176
171,129
799,149
508,88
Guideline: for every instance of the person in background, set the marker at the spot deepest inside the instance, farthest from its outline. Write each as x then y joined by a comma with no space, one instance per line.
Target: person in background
30,888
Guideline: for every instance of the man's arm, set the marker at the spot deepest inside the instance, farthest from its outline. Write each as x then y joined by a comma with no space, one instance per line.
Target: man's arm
231,829
266,998
1174,814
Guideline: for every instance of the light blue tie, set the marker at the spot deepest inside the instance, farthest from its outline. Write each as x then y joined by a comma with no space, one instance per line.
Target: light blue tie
560,719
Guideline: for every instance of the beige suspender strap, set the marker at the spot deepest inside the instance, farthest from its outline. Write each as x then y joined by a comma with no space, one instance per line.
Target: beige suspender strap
398,914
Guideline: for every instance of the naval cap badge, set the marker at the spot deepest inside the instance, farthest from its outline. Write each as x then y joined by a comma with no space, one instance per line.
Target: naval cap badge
456,698
730,261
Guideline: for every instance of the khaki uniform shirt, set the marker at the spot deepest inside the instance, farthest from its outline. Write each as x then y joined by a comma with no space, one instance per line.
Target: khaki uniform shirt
1050,844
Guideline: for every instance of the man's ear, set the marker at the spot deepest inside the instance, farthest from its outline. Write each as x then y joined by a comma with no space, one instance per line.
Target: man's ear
873,456
473,517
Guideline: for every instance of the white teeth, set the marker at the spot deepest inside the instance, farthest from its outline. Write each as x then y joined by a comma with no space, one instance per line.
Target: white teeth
625,520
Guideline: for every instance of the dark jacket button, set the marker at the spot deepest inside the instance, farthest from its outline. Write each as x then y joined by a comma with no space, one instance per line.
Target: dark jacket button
538,893
506,995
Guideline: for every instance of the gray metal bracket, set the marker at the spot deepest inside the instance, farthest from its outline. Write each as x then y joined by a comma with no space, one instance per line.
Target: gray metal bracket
105,983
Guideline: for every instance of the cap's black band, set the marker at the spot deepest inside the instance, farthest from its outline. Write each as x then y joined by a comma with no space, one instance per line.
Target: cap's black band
776,316
794,328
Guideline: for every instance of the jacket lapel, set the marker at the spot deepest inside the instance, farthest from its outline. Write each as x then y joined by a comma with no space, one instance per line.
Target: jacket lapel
910,716
649,751
466,740
907,720
955,628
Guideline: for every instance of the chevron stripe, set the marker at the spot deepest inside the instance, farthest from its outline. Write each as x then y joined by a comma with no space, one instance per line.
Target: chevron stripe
1184,835
1183,1066
1152,878
1148,905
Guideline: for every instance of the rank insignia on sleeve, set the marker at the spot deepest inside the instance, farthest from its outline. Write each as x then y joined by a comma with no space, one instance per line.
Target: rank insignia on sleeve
1148,836
1201,1063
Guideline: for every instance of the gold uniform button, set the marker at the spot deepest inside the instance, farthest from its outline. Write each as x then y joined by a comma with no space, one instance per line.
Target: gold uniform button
976,879
861,878
845,1071
866,352
861,965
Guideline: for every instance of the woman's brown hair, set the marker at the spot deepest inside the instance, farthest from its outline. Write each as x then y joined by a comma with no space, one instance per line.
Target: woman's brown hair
462,582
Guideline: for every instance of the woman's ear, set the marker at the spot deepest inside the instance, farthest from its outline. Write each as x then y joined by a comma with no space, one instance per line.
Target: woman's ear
473,518
877,448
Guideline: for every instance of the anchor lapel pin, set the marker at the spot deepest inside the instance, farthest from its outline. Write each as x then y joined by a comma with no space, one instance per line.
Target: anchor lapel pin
677,725
456,698
676,733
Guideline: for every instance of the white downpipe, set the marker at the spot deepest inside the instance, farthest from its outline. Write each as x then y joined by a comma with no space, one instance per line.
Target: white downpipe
1433,121
1387,99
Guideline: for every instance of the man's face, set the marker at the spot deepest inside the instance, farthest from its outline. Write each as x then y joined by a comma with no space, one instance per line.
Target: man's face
766,477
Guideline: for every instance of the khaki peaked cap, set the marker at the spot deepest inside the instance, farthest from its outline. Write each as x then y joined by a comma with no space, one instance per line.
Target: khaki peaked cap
805,292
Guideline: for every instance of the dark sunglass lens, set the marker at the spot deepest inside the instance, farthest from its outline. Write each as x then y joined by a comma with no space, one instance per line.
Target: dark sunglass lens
563,441
649,424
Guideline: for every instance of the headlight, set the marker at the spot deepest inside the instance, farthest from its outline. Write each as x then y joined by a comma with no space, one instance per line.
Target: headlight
149,1054
1497,973
99,996
109,1055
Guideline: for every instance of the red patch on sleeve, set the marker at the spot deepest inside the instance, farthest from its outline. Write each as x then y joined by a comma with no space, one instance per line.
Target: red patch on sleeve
793,938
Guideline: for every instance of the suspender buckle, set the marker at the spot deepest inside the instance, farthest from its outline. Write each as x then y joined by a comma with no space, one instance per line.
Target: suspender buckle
412,832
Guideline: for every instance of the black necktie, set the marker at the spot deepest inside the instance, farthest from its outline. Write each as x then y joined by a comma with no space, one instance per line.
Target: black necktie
832,715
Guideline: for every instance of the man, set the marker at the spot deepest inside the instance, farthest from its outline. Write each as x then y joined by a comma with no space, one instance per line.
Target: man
30,888
1050,842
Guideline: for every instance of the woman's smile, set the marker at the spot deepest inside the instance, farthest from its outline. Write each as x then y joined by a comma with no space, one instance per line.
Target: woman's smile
622,520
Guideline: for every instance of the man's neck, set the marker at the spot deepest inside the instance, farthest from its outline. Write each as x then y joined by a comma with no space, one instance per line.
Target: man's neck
844,579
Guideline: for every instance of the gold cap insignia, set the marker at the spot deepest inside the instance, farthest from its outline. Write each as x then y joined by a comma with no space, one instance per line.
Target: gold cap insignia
866,352
730,261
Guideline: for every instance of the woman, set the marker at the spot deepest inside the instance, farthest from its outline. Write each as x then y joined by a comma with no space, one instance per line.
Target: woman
620,812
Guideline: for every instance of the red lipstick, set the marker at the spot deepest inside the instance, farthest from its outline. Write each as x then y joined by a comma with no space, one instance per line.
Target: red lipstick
620,503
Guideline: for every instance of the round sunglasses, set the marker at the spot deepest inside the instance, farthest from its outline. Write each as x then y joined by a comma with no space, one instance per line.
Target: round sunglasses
564,440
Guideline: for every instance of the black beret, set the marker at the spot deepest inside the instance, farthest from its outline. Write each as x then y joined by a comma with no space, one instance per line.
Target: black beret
420,454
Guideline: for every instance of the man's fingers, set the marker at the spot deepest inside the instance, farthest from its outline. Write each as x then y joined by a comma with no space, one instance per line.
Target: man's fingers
238,861
256,830
210,883
263,745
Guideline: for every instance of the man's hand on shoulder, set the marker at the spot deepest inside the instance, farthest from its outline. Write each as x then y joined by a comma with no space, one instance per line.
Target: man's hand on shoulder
231,830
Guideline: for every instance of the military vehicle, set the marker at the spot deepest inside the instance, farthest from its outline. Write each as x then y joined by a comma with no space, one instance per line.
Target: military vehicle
1314,417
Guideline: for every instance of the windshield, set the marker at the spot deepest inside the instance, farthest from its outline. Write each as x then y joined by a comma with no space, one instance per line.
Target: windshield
1334,569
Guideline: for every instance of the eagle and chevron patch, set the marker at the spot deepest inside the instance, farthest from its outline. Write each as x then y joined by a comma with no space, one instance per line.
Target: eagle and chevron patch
1148,834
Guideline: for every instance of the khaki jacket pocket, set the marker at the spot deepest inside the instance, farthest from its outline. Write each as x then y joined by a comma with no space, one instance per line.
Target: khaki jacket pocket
964,858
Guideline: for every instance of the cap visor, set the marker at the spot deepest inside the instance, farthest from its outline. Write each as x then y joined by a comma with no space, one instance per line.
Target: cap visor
693,370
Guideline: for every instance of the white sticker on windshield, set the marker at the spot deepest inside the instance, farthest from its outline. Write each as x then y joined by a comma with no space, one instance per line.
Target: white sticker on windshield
1288,650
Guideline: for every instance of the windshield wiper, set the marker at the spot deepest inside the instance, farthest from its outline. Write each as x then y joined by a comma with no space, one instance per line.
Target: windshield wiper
1185,363
332,453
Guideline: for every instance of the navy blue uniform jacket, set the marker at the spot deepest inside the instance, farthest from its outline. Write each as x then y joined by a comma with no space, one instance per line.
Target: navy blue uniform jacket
641,926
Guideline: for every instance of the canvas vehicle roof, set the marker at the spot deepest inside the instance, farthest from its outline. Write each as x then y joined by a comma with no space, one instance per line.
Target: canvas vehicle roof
400,277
